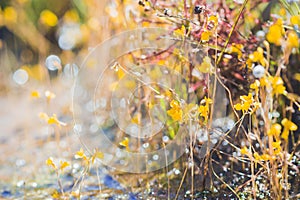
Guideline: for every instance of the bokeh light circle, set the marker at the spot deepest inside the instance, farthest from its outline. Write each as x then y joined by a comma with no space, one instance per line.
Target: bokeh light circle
117,97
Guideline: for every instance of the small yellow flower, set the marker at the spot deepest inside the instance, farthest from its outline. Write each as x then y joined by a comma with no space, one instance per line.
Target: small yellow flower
207,100
97,154
295,20
277,85
236,48
204,109
48,18
205,35
71,16
265,157
292,40
43,116
49,95
53,120
63,165
276,145
247,101
255,86
135,119
125,143
275,130
257,156
55,195
257,56
10,15
214,19
205,66
180,31
287,127
276,32
35,94
244,151
81,155
50,163
175,112
263,82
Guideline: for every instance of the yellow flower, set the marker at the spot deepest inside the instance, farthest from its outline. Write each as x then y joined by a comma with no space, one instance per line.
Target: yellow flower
265,157
205,35
49,95
135,119
125,143
48,18
247,101
236,48
277,85
257,56
35,94
263,82
10,15
292,40
55,195
63,165
53,120
275,130
295,20
244,151
276,145
97,154
213,19
287,127
50,163
255,86
207,101
180,31
81,155
276,32
71,16
277,148
175,112
257,156
205,66
204,109
43,116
